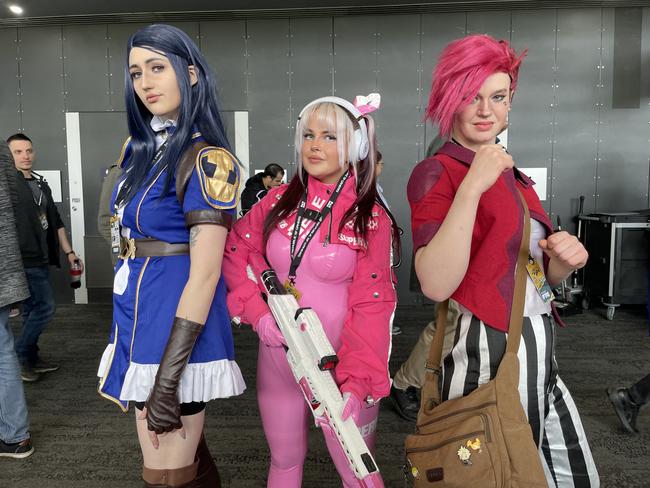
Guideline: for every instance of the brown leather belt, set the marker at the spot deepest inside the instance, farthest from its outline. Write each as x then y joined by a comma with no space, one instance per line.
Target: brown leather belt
144,248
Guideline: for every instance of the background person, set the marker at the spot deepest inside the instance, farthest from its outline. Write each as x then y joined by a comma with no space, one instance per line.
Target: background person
104,213
15,439
41,236
628,401
258,185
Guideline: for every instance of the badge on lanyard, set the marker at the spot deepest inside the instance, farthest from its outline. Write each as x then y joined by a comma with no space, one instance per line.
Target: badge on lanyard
536,274
115,234
290,286
42,218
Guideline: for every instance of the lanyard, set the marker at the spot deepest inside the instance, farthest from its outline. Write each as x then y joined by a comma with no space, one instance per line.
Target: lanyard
40,195
124,189
296,258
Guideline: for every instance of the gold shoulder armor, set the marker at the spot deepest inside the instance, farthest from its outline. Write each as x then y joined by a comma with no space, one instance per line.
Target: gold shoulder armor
219,174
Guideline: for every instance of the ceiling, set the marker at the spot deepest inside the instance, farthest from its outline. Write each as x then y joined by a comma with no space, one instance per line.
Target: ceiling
49,8
102,11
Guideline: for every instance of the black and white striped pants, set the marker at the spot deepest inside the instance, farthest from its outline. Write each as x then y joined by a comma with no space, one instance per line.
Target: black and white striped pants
552,414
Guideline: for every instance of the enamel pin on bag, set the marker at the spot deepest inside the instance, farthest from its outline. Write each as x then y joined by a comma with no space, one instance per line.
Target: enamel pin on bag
482,439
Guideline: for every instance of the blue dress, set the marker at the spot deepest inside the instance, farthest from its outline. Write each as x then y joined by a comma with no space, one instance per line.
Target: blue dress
147,290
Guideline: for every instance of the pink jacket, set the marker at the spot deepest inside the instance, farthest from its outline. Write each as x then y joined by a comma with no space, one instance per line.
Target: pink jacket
364,342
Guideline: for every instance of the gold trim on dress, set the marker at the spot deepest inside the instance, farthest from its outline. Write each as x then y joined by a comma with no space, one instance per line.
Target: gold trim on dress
135,308
137,212
105,375
120,159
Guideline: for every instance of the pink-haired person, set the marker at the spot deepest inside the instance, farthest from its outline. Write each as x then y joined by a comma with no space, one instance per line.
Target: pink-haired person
467,220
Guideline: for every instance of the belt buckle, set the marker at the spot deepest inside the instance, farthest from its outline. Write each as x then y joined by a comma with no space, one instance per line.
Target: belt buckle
127,248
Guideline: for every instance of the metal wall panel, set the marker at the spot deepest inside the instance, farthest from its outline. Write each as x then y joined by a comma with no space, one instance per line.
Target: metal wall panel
102,135
493,23
576,133
224,46
627,56
399,127
530,130
9,83
43,120
118,36
268,92
645,58
311,69
85,68
355,56
622,178
438,30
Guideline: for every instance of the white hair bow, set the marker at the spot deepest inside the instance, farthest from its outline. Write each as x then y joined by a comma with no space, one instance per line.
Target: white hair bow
368,104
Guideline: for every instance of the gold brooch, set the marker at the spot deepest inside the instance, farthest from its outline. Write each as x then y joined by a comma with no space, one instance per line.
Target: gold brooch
474,445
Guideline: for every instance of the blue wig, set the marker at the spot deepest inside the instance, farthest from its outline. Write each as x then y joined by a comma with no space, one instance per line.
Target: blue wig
198,110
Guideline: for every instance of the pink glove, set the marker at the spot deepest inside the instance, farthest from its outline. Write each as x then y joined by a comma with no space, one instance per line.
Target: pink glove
351,406
268,331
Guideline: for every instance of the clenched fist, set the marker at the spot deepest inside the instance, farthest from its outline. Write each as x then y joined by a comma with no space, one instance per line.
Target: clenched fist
489,163
566,249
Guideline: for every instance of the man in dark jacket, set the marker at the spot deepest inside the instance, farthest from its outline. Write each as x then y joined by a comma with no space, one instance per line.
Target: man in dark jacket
14,426
41,234
259,184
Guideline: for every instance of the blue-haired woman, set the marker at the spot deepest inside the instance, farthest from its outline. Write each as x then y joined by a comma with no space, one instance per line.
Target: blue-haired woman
171,348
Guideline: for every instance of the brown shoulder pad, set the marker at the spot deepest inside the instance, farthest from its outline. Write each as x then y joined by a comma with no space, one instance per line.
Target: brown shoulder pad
185,168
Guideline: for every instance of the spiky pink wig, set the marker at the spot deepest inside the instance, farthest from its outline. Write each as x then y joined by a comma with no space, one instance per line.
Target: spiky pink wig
461,70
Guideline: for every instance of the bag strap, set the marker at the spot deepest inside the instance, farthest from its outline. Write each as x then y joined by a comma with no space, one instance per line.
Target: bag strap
430,394
519,299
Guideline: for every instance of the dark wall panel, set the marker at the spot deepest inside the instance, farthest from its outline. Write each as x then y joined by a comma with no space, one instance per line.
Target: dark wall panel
311,69
399,128
495,24
626,89
530,137
102,135
268,92
578,94
85,67
43,119
9,83
622,179
355,56
224,46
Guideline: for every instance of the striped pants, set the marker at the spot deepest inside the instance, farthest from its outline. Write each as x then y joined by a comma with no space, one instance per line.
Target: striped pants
552,414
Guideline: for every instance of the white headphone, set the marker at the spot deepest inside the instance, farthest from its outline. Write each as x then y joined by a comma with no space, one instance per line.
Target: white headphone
360,141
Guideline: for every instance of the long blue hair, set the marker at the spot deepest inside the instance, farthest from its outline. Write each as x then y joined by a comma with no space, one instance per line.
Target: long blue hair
199,109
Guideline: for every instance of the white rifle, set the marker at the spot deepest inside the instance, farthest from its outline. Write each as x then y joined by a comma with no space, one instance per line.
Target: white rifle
312,359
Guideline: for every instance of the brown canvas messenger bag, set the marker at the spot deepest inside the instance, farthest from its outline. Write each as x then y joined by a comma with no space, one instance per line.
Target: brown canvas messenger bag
482,439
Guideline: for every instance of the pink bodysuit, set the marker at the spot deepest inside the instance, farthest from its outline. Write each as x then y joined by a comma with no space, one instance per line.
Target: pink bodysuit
350,285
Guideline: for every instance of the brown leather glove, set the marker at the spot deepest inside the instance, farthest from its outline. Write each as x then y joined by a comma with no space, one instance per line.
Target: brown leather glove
163,407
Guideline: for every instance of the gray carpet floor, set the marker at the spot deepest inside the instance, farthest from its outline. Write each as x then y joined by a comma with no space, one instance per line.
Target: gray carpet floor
82,440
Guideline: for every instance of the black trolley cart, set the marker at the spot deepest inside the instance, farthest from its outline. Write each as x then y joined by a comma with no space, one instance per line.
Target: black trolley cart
617,270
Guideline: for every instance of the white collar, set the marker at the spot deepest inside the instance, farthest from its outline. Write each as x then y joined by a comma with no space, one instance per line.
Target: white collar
158,124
